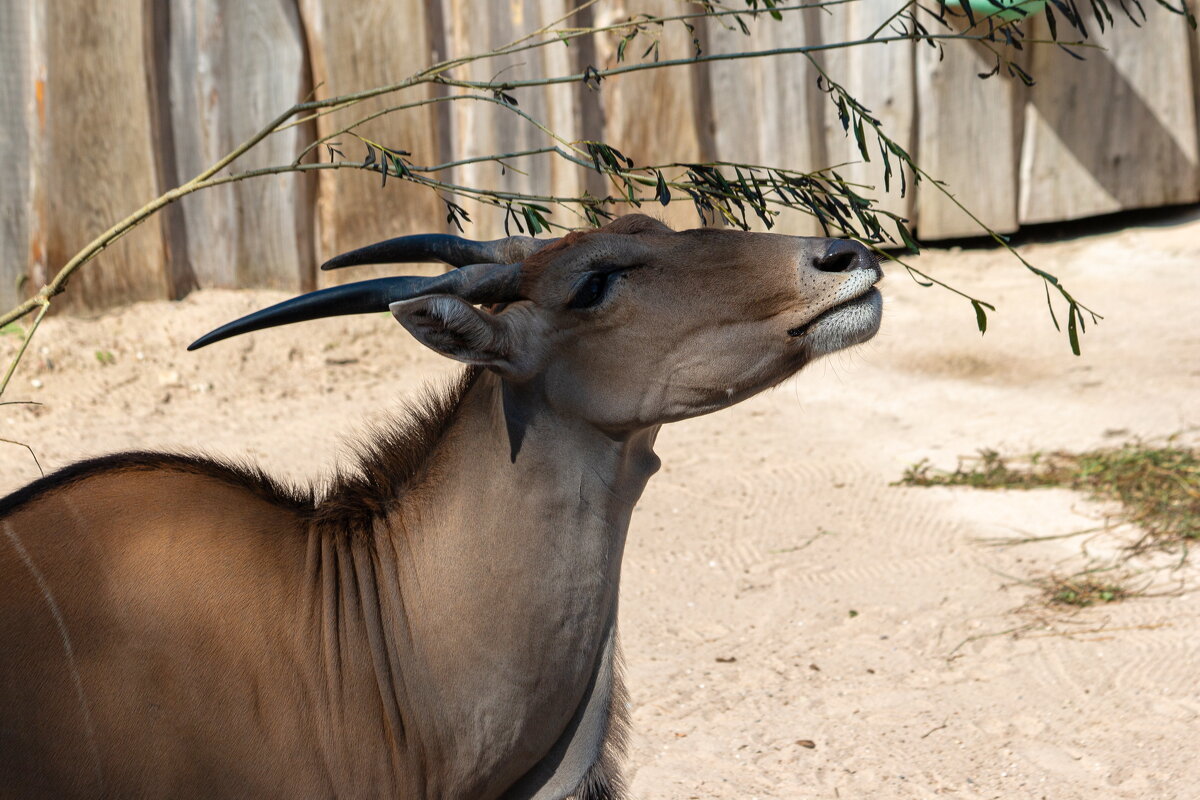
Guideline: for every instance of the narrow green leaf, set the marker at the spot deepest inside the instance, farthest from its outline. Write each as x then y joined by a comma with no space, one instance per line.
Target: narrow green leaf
861,139
1072,328
907,237
1050,305
661,193
531,221
980,316
923,282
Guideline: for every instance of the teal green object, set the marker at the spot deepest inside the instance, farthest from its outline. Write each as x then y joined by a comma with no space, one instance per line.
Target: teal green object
1004,10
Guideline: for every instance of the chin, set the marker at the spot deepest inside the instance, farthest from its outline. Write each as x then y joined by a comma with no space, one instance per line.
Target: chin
845,326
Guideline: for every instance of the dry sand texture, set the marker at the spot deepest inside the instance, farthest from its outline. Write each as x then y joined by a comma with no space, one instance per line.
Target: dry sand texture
772,522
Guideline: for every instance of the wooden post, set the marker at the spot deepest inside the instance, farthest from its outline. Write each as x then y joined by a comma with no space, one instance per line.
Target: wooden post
882,78
765,110
373,44
653,116
21,97
232,67
481,128
99,150
967,138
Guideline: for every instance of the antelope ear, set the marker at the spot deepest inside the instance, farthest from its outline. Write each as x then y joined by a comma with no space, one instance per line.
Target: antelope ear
453,327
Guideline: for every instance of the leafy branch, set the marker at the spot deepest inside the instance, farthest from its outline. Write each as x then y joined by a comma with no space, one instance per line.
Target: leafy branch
856,118
736,193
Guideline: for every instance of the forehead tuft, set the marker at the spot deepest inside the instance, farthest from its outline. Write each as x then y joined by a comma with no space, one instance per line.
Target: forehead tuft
636,223
629,225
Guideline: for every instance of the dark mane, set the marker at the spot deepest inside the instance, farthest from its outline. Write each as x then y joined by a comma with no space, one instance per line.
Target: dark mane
394,454
246,476
385,464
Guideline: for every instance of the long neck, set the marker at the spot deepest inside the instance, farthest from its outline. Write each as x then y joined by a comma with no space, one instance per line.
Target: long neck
508,557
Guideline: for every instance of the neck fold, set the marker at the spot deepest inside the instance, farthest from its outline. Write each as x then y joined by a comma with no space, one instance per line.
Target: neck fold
502,565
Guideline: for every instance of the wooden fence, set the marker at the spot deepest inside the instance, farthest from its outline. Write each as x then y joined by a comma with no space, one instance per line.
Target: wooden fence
106,103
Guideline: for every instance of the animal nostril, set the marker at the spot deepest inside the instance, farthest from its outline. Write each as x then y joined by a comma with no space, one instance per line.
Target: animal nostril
837,262
842,256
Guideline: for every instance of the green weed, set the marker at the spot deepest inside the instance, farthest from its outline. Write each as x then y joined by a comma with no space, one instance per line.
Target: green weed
1158,487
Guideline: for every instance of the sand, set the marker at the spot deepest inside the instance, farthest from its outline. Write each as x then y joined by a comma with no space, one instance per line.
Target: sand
794,626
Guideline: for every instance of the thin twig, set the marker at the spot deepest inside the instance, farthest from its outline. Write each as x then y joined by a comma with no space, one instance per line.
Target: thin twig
438,74
30,449
979,636
580,77
932,731
12,368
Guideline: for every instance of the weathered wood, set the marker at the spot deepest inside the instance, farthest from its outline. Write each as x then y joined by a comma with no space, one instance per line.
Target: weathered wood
233,66
481,128
762,110
351,50
100,151
882,78
1195,76
18,133
654,116
107,104
1114,132
967,138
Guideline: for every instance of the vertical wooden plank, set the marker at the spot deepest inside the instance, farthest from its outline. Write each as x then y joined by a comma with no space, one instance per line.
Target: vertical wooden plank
233,67
653,116
966,138
1194,72
196,103
17,131
564,103
351,50
881,77
481,129
100,151
1114,132
761,110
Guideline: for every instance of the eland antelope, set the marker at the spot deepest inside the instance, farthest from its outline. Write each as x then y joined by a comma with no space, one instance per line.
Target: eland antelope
439,621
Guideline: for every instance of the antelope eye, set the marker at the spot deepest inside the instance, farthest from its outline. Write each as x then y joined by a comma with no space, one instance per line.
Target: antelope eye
592,291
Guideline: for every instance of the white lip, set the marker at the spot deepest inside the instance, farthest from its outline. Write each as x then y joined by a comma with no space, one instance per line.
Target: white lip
858,284
846,324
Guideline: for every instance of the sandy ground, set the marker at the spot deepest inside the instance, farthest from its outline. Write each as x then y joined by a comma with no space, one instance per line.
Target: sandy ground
779,592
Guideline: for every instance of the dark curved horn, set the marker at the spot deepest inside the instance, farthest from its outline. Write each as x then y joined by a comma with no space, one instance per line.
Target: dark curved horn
477,283
453,250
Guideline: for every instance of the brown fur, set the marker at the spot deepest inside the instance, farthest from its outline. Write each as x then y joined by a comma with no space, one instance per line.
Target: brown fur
533,267
438,619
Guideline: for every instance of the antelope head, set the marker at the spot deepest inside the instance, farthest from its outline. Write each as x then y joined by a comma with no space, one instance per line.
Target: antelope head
625,327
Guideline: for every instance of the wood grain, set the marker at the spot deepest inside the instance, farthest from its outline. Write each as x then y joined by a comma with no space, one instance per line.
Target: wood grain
655,116
763,110
373,44
480,129
233,66
100,151
966,137
18,135
882,77
107,104
1114,132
